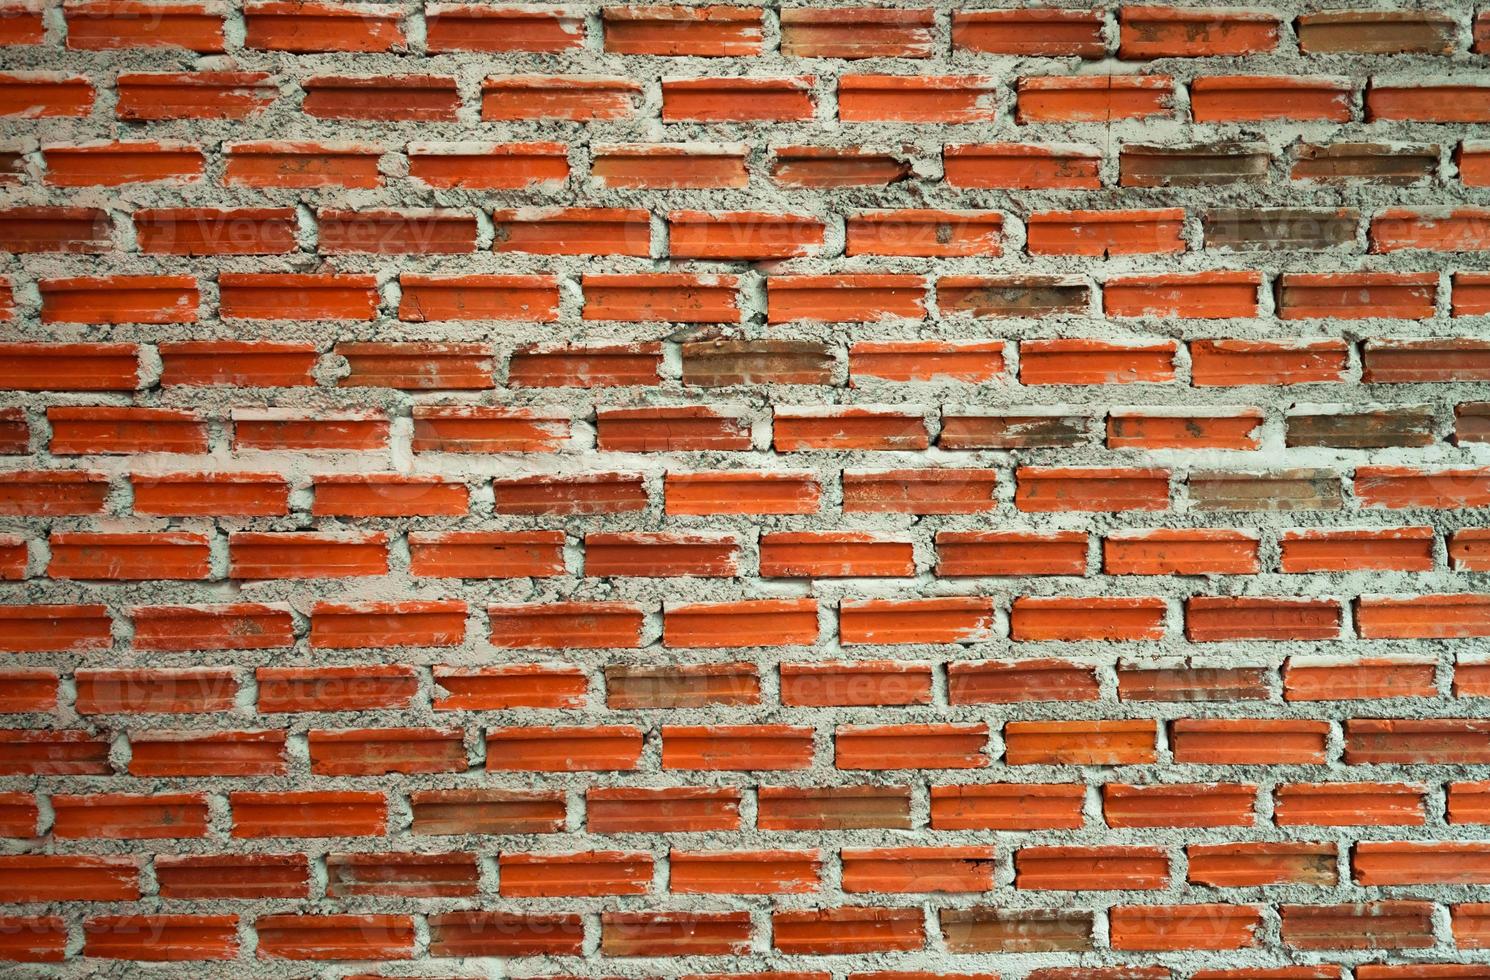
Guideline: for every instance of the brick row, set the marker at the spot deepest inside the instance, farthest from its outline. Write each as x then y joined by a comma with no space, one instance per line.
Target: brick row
81,430
621,624
1037,489
750,236
527,687
1395,925
849,297
1144,31
434,366
864,870
1042,809
760,747
549,167
1036,99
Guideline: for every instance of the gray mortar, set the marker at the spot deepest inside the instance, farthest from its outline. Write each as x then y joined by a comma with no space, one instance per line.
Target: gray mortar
284,121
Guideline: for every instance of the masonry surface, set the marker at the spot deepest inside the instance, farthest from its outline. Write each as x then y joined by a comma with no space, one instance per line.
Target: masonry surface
813,491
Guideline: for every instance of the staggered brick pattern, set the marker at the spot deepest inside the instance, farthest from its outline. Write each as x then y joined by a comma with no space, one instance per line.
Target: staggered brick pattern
817,492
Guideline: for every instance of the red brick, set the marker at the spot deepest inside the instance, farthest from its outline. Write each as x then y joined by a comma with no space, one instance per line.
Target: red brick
1133,429
1241,98
1063,618
884,621
1105,233
489,165
582,874
863,682
70,367
923,232
751,235
161,938
121,816
55,229
119,299
1094,362
1175,927
716,872
918,98
1006,806
149,96
425,298
929,746
431,231
1218,618
425,98
1246,741
574,97
1350,804
44,94
98,25
216,231
709,32
856,32
1206,295
1357,295
21,24
299,163
669,165
1393,925
477,27
1047,489
1179,805
674,933
1094,98
1376,32
738,99
665,810
553,626
236,626
1022,166
113,164
846,929
1037,31
464,933
1428,101
255,296
1093,743
1010,553
279,25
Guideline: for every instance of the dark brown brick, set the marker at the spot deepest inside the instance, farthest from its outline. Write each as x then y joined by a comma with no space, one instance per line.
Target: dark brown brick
1031,296
1186,684
1376,32
1472,422
1283,490
1015,431
834,808
1399,425
1153,165
991,930
1391,361
1268,229
12,166
715,363
1383,162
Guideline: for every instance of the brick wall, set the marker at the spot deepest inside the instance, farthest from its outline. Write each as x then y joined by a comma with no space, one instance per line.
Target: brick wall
804,492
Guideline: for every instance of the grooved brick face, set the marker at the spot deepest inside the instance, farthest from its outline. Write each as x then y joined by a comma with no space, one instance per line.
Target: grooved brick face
818,491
